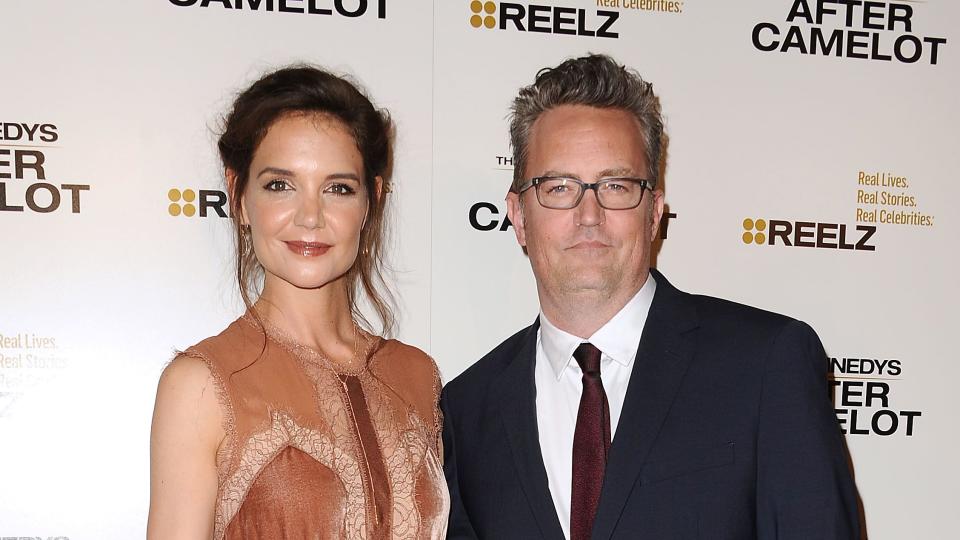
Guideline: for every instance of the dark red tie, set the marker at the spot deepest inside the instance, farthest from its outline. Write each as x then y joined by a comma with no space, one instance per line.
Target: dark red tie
591,442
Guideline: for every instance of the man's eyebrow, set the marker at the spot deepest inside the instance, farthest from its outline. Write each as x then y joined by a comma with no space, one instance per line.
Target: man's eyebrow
606,173
619,171
561,174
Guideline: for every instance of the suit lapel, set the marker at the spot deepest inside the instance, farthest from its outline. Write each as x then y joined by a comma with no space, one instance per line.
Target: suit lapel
663,357
517,403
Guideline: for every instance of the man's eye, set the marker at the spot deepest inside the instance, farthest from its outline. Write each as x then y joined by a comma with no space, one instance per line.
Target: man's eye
277,185
622,186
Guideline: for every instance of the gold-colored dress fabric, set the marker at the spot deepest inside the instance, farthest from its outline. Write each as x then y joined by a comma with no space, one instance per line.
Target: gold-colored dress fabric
315,452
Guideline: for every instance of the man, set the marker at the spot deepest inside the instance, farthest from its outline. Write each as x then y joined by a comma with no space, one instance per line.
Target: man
630,409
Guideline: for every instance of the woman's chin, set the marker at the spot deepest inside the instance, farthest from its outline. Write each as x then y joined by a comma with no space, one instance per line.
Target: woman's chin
310,280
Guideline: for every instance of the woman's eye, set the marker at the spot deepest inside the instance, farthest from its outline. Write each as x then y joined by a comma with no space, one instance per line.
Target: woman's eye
277,185
341,189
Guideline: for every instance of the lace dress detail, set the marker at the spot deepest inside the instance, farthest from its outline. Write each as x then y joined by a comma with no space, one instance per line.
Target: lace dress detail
305,457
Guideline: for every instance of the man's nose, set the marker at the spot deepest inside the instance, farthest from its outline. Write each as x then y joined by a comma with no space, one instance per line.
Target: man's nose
589,211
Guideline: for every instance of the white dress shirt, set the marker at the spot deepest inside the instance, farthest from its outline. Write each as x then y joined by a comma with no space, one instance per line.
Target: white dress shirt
558,380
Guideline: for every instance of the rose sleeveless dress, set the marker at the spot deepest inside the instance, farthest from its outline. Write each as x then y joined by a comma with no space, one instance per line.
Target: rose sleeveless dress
317,452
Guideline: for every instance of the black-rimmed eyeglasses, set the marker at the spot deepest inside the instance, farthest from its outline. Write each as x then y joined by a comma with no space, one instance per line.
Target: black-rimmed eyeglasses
560,193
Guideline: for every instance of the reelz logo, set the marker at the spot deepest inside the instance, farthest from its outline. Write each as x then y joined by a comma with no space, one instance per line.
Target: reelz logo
312,7
184,202
27,157
807,234
543,19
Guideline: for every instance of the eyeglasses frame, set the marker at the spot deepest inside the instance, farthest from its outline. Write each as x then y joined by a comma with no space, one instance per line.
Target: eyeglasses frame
645,185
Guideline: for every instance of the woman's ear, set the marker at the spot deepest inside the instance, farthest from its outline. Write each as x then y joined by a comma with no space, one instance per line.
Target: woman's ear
378,193
231,177
378,182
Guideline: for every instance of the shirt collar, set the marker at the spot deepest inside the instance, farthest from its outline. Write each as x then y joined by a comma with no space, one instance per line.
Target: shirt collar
558,346
618,338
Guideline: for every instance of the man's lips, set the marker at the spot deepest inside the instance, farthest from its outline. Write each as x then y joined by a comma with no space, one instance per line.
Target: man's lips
589,244
308,249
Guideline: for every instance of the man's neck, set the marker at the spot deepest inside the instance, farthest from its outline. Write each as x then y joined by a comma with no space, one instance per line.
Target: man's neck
582,313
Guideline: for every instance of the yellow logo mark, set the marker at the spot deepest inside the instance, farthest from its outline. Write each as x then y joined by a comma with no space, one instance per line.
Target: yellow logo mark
187,208
478,19
749,236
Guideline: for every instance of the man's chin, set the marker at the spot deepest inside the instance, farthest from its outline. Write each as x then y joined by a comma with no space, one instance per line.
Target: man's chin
587,284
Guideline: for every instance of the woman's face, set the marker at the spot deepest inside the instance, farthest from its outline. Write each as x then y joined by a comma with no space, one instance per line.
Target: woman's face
305,201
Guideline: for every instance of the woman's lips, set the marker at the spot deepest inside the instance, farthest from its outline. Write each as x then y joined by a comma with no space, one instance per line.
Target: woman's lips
308,249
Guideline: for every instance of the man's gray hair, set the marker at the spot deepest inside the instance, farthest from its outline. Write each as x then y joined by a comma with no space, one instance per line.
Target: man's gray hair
594,80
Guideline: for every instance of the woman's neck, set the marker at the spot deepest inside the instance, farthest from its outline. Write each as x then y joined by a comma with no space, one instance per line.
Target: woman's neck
317,318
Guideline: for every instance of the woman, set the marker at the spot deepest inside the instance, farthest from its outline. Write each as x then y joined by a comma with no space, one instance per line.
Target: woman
295,422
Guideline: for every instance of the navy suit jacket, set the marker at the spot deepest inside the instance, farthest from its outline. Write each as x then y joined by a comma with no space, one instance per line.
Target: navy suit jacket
727,432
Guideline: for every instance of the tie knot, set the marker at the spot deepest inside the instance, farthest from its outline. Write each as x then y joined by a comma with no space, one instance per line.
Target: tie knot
588,357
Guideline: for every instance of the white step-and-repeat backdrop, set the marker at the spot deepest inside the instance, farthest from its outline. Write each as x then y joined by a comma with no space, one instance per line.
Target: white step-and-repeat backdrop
812,170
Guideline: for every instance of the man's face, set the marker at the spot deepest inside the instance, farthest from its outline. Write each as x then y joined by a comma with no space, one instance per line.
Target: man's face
587,248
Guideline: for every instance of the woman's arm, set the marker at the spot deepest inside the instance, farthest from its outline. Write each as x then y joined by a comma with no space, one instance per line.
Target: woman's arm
187,430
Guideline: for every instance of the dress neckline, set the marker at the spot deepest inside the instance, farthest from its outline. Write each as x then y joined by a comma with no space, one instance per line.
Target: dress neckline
370,344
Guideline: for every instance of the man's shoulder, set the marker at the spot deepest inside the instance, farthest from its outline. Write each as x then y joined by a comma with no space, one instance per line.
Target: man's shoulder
726,321
477,377
727,313
717,313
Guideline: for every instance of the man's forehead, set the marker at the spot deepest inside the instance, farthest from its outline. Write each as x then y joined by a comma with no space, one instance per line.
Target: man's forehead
569,123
